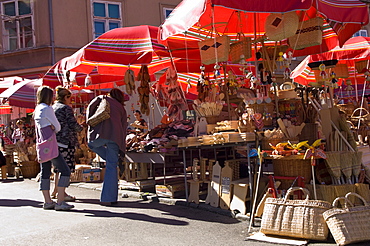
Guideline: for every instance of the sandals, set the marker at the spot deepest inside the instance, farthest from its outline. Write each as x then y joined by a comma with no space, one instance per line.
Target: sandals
67,198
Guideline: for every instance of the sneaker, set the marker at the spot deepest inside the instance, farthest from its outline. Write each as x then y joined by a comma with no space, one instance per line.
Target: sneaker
63,206
48,205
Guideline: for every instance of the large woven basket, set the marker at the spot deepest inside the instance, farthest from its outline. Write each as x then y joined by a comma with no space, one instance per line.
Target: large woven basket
309,34
214,49
361,66
30,169
281,26
292,166
341,71
295,218
349,224
243,47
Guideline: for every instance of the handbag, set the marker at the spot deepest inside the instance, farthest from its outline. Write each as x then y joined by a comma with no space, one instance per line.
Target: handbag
349,224
46,144
214,50
295,218
242,47
309,34
101,114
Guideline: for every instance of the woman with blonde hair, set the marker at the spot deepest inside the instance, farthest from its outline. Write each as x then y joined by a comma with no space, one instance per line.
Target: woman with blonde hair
67,136
45,119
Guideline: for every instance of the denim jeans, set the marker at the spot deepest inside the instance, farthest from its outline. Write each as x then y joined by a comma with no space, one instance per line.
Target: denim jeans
108,150
61,165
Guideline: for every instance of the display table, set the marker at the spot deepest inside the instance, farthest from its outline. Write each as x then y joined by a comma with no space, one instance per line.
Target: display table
136,174
214,147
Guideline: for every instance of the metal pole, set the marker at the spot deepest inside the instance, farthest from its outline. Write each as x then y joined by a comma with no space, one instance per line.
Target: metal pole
185,175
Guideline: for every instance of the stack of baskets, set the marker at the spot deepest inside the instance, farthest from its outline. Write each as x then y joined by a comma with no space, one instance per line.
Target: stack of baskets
30,169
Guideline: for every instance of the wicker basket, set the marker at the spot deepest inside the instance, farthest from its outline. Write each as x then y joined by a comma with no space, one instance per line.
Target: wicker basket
76,176
209,47
239,48
349,224
341,71
265,142
361,66
281,26
30,169
309,34
292,166
295,218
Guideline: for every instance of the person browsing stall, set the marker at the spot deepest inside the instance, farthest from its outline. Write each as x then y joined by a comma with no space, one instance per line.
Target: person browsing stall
45,118
107,139
67,136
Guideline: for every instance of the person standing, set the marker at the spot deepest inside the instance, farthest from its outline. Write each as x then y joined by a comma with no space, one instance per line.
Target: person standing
67,136
18,133
107,139
44,117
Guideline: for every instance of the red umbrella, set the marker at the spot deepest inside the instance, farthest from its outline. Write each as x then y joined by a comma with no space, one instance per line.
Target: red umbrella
7,82
22,94
355,49
305,75
112,54
203,18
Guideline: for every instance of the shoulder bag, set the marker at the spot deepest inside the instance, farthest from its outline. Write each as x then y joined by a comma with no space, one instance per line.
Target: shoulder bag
46,144
101,114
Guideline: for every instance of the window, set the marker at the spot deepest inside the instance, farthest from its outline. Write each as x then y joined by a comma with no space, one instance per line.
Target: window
166,12
362,33
17,22
106,16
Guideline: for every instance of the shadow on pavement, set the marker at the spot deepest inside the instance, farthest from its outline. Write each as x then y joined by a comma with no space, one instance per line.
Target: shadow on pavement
179,211
131,216
20,203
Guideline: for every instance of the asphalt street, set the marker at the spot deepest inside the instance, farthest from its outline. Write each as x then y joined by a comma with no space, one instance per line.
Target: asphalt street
131,222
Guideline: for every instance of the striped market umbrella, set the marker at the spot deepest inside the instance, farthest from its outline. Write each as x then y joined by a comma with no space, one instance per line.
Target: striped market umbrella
8,82
354,50
113,53
199,19
22,94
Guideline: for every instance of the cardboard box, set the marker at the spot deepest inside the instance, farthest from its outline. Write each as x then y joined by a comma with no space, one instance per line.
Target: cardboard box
91,175
170,190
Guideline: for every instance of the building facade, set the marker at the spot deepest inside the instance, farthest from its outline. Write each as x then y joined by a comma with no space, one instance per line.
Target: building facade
37,33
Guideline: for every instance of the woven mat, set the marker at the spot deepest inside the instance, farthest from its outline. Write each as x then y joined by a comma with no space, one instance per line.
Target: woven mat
259,236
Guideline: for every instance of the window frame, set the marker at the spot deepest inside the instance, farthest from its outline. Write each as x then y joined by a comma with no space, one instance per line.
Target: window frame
163,9
21,35
361,33
107,20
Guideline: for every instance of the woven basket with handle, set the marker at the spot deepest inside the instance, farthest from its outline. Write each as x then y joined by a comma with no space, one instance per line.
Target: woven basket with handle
101,114
30,169
349,224
214,50
309,34
295,218
240,48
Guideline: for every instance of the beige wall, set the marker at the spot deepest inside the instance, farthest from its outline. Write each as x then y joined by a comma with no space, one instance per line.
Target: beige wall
72,26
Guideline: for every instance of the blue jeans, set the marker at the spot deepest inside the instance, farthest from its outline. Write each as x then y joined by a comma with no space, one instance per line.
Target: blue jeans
65,173
108,150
